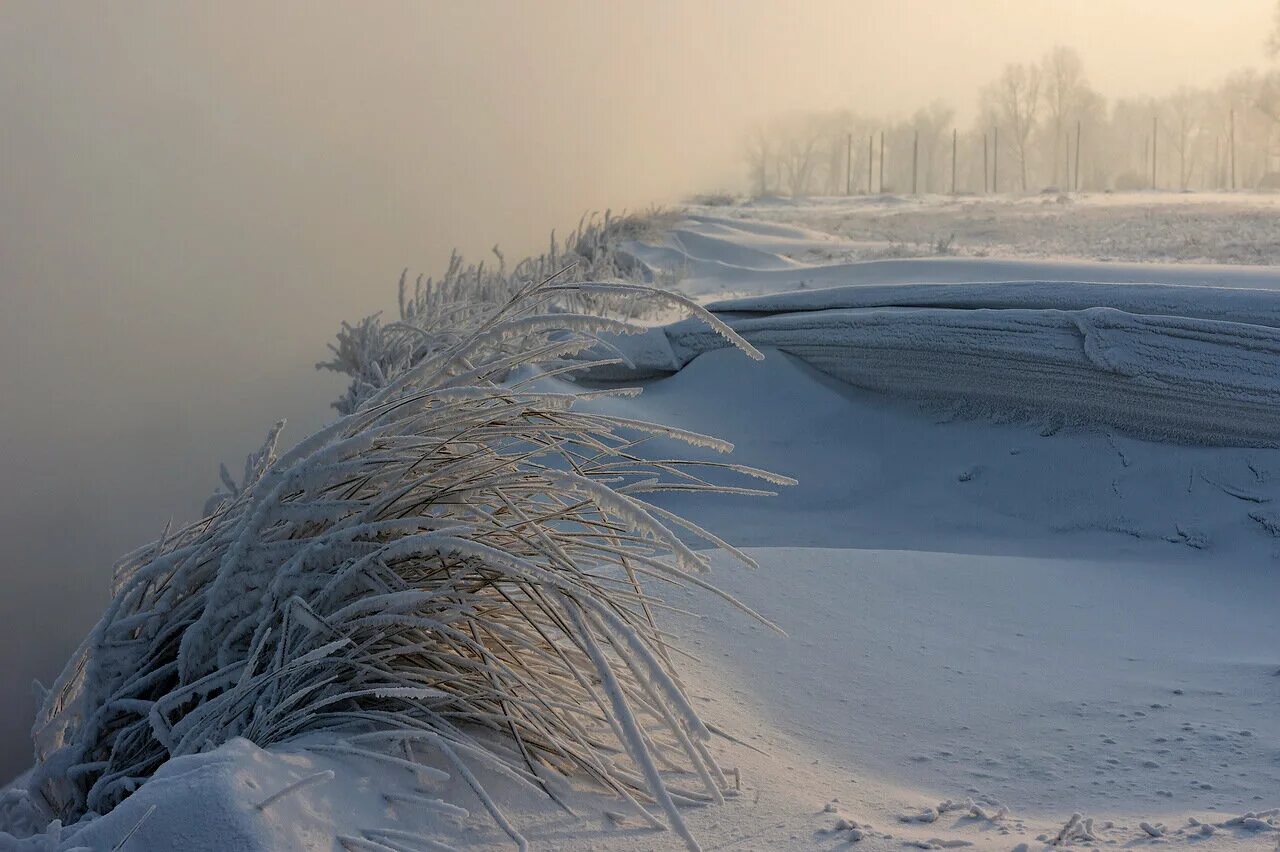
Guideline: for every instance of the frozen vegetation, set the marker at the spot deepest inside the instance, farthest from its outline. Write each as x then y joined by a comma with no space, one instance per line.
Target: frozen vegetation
456,563
435,314
1017,591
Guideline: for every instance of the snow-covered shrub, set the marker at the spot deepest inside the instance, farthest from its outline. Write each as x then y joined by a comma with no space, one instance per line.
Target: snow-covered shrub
461,553
373,352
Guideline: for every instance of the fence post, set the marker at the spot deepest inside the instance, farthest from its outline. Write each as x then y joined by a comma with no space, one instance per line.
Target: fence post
1217,163
954,136
915,162
1077,155
1066,177
984,164
848,167
995,159
1233,149
1154,131
882,161
871,157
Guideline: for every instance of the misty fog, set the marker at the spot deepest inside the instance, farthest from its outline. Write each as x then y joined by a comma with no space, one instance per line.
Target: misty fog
193,196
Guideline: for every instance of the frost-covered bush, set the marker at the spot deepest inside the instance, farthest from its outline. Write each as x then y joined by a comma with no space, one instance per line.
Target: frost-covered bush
461,558
372,352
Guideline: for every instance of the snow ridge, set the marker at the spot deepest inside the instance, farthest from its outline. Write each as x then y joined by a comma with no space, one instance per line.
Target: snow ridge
1165,363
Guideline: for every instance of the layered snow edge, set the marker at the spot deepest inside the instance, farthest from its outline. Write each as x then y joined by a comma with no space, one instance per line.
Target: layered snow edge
1198,365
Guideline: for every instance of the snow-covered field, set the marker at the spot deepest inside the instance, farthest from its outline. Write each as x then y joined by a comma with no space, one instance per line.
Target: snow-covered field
1142,227
1028,572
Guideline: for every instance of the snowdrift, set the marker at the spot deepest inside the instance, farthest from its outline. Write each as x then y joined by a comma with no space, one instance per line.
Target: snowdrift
721,256
1188,364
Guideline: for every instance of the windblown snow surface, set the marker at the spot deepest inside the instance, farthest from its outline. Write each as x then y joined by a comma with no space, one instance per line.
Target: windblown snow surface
1028,575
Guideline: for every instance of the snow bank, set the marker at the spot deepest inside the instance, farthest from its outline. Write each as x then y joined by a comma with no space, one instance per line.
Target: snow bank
1141,227
1227,304
722,256
1180,353
876,471
1189,364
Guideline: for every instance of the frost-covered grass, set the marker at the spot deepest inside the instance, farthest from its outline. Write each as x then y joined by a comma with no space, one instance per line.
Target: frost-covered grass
434,313
460,553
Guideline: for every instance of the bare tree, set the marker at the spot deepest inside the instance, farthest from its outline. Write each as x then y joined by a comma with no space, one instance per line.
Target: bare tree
932,123
800,144
1095,161
1064,86
1266,95
1227,135
761,159
838,157
1014,98
1182,128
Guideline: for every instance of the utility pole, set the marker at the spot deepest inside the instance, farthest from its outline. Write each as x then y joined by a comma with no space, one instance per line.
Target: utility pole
882,161
1154,130
1077,155
1066,174
995,159
1233,149
915,162
871,156
954,137
984,164
848,167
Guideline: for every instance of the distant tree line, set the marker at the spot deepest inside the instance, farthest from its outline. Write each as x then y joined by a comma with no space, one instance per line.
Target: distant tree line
1039,125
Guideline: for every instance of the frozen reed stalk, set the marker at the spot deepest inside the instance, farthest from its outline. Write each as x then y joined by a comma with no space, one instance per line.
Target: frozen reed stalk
427,803
314,778
461,559
131,832
361,844
436,312
407,841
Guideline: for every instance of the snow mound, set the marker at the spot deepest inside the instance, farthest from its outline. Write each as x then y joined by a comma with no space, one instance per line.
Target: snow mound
1189,364
876,470
1228,304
